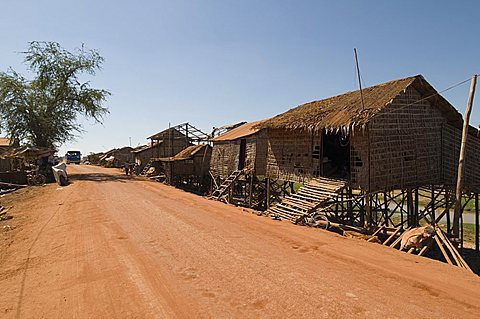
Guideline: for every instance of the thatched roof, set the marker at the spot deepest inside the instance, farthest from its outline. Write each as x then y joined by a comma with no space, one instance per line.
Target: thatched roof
342,112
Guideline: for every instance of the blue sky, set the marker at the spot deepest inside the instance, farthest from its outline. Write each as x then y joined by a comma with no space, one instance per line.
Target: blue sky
217,62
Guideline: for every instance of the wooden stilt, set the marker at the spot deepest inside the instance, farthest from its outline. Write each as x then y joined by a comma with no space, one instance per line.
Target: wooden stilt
250,191
433,202
415,208
477,226
447,198
268,191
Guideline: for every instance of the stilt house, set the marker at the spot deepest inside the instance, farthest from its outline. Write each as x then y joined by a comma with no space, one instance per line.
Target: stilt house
401,134
188,168
166,143
117,157
242,148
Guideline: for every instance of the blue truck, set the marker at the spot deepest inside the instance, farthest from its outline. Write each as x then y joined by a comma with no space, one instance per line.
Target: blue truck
73,157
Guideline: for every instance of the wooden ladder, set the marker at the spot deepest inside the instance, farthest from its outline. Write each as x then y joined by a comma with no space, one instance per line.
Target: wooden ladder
147,167
225,186
310,197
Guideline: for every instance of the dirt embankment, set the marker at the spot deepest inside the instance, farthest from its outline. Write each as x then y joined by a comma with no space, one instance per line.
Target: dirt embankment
108,246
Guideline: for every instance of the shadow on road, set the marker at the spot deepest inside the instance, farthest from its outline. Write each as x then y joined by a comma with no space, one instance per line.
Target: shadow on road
98,177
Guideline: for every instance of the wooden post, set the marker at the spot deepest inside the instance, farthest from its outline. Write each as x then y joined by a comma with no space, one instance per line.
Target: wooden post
461,160
410,208
350,205
362,210
416,208
447,201
385,212
250,192
268,192
477,248
368,211
433,203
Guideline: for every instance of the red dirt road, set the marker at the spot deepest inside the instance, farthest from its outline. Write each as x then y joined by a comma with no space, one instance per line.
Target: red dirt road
112,247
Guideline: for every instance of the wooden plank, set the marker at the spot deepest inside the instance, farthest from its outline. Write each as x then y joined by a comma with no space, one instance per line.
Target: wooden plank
297,204
378,230
321,189
305,196
293,209
456,255
291,198
426,247
314,196
448,245
283,215
391,236
395,243
440,245
319,193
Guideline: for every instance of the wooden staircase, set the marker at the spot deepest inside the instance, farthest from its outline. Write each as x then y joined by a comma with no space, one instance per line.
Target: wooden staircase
225,186
147,167
316,194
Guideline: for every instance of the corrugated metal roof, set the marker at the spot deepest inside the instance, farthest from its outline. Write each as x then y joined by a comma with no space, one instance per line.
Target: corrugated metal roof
186,153
147,147
167,133
244,130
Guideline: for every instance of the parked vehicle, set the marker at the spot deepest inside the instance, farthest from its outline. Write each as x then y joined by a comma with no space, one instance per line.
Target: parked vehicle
73,157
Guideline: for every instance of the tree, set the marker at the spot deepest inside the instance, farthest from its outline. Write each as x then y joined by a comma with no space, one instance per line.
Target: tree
44,111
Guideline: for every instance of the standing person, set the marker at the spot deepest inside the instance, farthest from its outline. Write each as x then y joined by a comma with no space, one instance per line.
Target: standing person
127,166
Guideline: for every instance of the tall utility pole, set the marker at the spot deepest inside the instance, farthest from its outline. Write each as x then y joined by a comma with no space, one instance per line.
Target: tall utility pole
461,160
368,208
358,75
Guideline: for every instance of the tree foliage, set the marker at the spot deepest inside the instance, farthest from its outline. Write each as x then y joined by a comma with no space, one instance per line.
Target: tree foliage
44,111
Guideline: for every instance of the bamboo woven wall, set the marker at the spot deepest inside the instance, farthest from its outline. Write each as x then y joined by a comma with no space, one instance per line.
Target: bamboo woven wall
225,155
261,148
224,158
405,145
290,155
451,137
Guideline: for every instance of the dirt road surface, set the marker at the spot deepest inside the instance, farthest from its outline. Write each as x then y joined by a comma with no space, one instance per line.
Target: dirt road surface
108,246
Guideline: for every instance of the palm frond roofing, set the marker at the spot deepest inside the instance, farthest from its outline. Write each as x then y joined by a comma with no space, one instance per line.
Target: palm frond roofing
347,110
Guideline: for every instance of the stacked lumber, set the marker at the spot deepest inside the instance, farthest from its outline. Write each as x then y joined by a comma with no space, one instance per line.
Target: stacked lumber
316,194
446,247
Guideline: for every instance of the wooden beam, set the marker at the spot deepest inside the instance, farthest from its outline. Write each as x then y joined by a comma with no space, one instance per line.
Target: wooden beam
461,159
440,245
477,225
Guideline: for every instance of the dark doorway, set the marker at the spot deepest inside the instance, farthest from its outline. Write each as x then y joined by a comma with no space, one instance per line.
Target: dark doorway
336,155
243,153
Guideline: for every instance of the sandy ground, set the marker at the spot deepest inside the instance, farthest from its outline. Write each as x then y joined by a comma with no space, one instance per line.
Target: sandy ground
108,246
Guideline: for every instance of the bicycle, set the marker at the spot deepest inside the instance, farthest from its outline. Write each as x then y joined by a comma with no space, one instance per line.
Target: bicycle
35,178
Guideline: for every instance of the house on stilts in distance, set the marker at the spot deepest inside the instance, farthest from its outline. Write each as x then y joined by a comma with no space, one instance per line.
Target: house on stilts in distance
167,143
188,169
238,168
360,158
